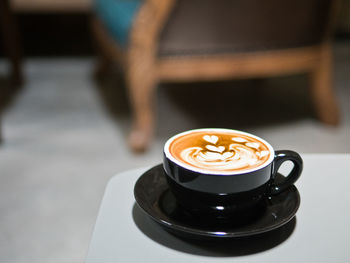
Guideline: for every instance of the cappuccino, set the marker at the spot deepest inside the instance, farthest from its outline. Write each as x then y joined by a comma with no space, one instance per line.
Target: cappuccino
225,175
219,151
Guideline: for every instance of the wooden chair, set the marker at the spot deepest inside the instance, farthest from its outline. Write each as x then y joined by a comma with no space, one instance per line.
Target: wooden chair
11,42
196,40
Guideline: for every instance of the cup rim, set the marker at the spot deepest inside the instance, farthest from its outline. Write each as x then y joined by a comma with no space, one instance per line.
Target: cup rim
203,171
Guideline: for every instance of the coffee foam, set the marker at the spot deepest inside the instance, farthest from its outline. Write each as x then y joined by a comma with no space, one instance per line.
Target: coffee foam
219,151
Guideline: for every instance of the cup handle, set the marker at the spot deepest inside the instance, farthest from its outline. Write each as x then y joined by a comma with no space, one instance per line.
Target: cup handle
290,179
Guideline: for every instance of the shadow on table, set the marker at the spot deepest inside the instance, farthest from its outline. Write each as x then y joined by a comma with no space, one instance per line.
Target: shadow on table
214,248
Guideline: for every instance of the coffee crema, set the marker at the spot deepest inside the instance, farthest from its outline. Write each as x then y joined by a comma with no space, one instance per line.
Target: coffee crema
217,150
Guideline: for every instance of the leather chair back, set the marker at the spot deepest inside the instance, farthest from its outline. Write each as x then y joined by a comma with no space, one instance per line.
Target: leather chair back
226,26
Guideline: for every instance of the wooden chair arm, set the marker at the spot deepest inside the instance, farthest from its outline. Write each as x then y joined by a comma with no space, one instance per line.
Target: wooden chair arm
149,21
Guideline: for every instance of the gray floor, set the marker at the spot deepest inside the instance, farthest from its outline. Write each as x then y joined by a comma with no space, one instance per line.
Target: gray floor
64,137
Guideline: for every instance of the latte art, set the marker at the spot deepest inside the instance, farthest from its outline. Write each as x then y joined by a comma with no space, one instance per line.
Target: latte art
235,156
221,152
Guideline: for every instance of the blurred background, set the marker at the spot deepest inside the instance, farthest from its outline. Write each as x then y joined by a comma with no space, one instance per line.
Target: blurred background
74,110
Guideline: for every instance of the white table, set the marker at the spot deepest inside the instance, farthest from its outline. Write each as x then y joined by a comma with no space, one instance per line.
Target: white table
322,232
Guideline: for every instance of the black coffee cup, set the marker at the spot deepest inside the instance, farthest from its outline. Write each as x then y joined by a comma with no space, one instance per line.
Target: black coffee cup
236,194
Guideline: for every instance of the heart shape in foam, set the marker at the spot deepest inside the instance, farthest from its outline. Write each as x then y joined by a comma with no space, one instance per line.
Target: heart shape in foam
213,148
211,138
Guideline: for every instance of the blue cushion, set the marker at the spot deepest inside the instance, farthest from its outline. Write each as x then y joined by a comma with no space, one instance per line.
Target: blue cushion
117,16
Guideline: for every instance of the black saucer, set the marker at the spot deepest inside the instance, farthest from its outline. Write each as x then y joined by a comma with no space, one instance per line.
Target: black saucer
153,196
